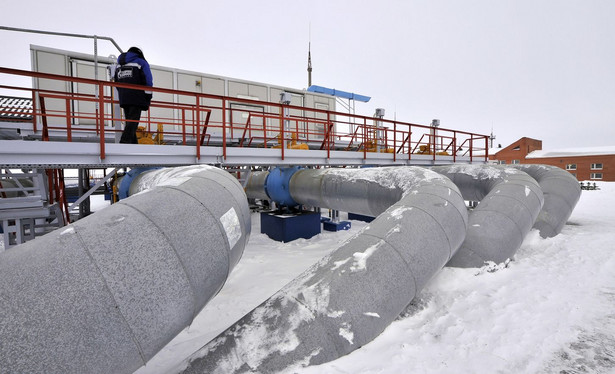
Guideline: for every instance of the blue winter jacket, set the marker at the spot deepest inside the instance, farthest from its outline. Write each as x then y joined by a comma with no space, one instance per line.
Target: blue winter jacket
134,70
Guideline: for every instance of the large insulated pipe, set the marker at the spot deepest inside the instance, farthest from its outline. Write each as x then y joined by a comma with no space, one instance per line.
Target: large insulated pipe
350,296
510,201
255,188
106,293
561,192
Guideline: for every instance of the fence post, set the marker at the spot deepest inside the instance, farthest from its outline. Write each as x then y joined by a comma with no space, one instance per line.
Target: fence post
184,126
433,143
364,138
69,135
409,142
282,143
328,134
394,141
224,128
101,119
197,116
45,135
34,121
454,146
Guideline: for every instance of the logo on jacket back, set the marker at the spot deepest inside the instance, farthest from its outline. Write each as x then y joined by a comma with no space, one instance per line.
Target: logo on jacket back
123,74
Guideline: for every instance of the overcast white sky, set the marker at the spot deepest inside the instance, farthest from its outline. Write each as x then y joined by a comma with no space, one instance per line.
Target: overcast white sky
538,68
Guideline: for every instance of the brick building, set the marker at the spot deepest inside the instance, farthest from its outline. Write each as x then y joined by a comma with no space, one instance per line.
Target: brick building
591,163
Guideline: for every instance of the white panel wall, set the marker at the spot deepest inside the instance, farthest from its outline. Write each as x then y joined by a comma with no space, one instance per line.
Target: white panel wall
213,86
84,69
163,79
72,63
51,63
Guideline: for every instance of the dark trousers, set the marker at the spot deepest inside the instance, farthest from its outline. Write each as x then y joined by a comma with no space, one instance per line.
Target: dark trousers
132,115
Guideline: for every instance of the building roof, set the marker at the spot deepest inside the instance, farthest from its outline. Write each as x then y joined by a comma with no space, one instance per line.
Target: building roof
15,108
338,93
573,152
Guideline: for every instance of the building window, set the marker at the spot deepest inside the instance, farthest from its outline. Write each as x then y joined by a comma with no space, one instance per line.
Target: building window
571,166
595,176
514,162
596,167
502,162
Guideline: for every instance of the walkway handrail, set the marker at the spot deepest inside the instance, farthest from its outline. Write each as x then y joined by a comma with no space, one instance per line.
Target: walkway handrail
62,34
194,115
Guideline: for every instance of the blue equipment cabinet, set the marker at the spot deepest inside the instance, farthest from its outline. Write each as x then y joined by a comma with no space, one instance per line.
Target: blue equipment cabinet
336,226
285,227
360,217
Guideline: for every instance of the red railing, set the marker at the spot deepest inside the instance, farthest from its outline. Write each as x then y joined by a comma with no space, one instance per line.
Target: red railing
185,119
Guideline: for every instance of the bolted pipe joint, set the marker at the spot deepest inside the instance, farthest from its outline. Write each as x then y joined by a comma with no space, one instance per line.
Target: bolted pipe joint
277,185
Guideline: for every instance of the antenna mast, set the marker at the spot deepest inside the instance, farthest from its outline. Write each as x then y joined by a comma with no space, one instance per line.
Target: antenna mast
309,68
492,137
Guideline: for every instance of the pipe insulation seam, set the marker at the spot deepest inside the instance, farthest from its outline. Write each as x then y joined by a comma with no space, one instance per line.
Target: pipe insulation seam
111,295
559,187
509,192
517,235
405,261
221,229
179,259
218,178
461,216
520,214
211,276
175,251
218,187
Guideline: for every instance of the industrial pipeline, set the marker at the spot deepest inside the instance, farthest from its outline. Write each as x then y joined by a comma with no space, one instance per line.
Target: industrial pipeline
106,293
350,296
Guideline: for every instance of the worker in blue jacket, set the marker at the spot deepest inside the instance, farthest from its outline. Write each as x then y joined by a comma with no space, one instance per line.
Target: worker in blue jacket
134,69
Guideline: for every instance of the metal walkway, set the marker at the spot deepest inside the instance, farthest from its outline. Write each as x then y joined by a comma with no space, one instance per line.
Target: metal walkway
71,155
69,128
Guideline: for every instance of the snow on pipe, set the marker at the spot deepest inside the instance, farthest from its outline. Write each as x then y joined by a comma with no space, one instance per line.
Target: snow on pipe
561,192
106,293
510,200
350,296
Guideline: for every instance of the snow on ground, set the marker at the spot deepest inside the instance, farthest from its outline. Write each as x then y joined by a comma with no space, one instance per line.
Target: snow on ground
550,310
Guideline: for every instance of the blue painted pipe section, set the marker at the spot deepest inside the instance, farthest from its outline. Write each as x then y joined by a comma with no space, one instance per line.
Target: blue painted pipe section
277,185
